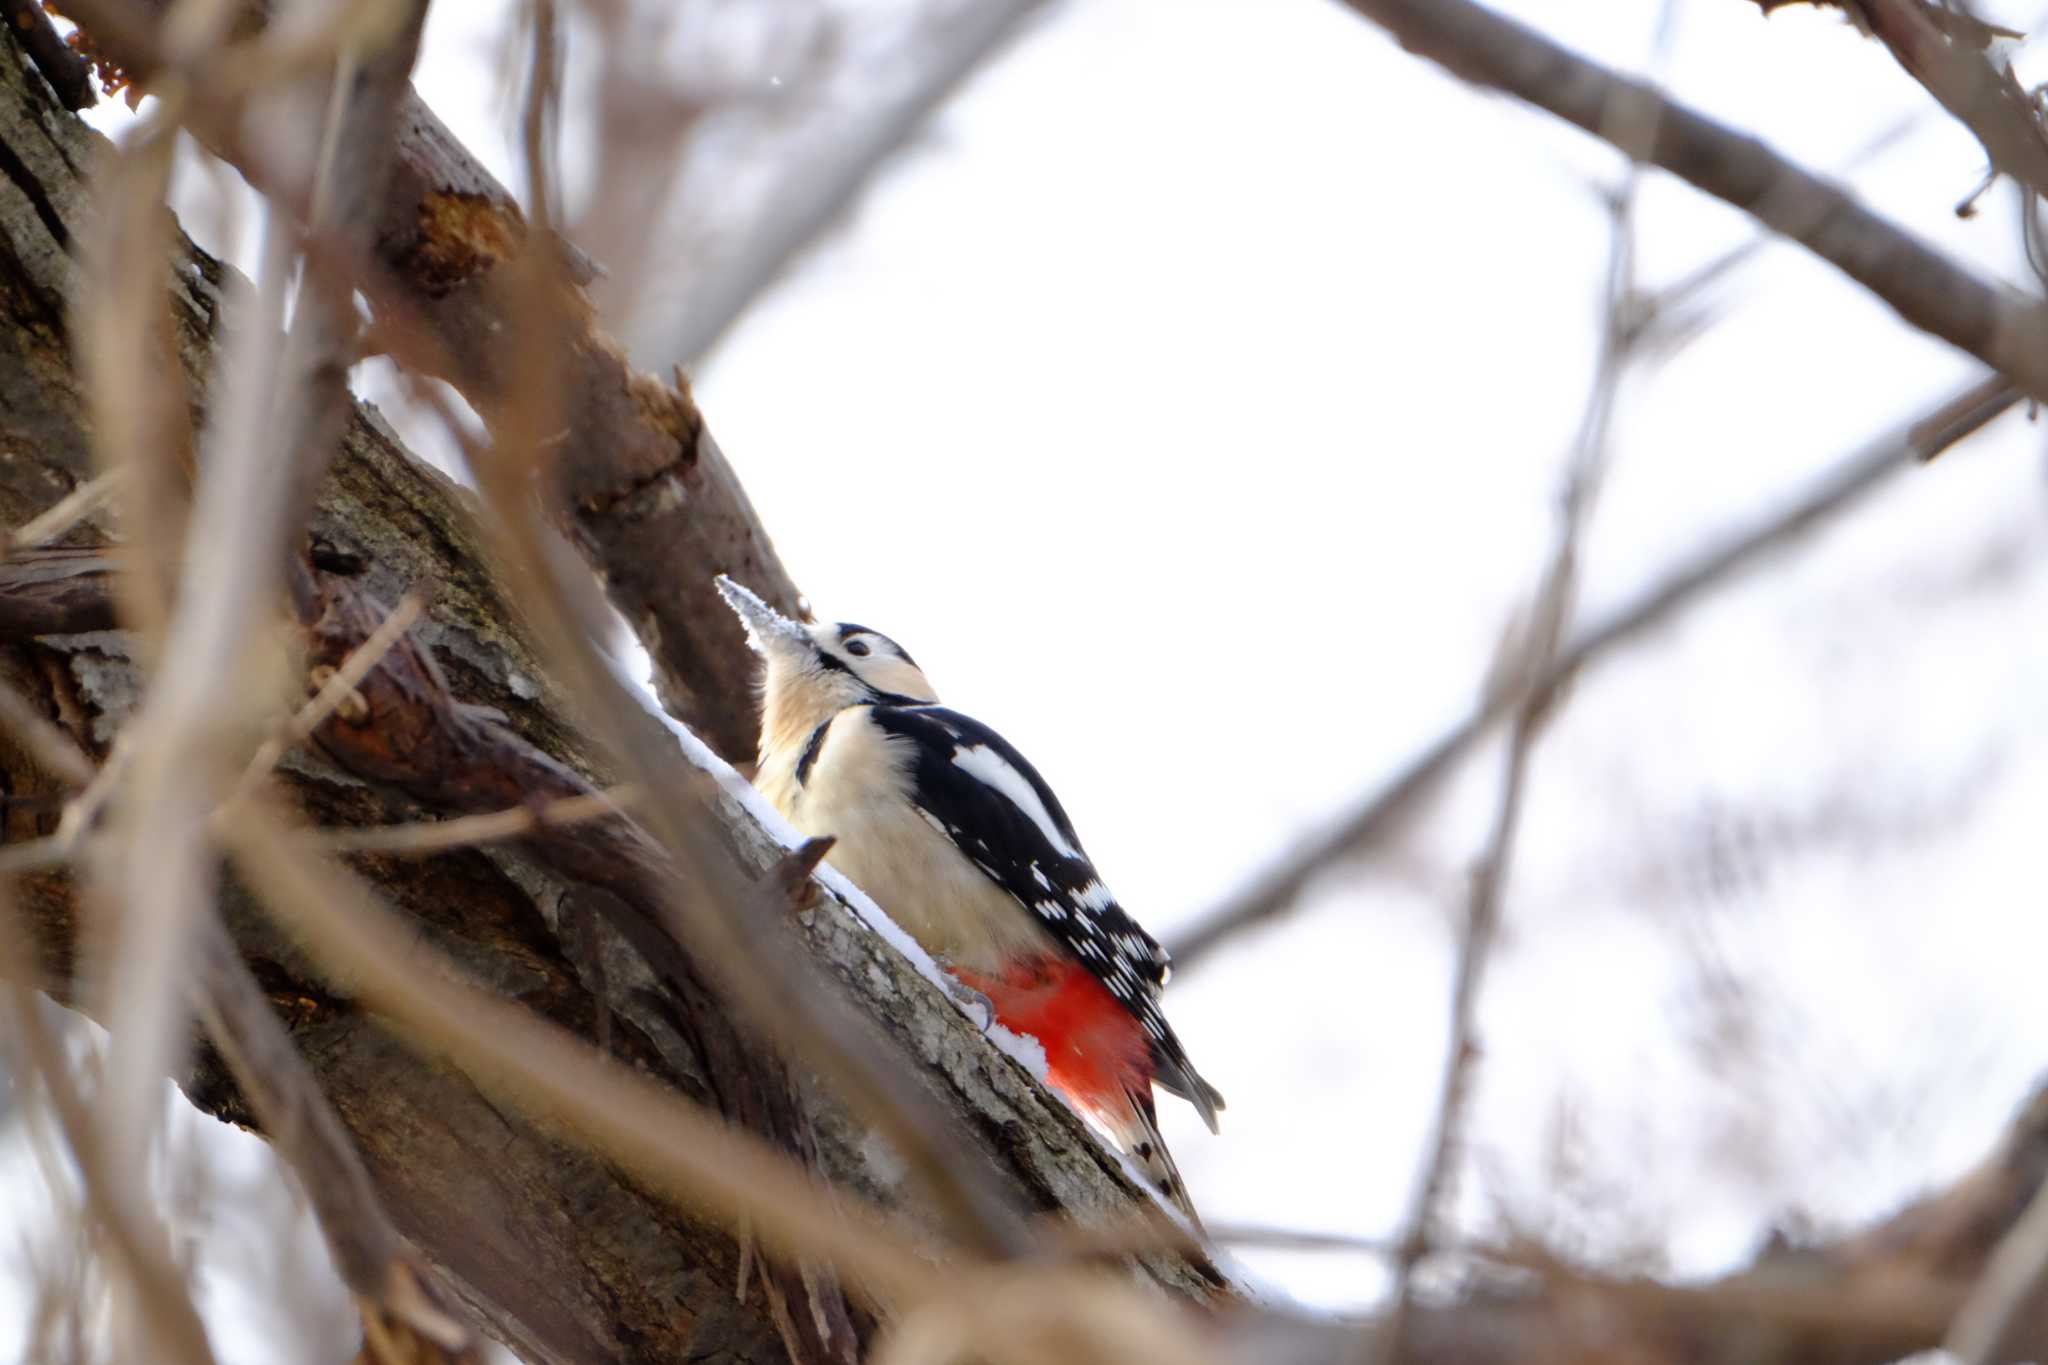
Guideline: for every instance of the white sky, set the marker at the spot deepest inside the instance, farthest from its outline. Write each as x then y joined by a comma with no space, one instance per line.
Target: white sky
1191,404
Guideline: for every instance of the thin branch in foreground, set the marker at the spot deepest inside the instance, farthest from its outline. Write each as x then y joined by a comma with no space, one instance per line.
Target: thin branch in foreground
469,831
336,687
74,507
1927,289
1275,889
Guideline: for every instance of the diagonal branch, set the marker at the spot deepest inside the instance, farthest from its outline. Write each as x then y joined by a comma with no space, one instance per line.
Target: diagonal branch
1924,287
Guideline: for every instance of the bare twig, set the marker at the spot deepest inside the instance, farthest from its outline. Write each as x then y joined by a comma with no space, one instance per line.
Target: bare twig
336,686
122,325
468,831
1927,289
1273,890
74,507
1673,310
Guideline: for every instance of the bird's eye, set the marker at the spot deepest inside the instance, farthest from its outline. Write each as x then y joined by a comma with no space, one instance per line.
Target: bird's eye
857,648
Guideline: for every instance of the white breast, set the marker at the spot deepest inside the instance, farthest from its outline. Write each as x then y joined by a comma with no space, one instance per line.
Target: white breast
857,791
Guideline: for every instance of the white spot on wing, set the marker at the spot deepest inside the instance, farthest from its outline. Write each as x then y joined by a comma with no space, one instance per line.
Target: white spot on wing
987,766
1094,895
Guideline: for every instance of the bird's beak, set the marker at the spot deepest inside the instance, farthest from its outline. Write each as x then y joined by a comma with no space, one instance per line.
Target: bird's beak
767,628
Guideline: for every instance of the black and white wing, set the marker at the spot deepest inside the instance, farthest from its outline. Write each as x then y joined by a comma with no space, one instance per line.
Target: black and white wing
988,799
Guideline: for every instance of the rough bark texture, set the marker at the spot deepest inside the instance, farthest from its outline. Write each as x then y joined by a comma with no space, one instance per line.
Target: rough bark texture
556,1251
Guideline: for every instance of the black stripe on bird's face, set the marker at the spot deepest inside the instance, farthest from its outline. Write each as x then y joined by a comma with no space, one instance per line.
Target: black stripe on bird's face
832,663
847,630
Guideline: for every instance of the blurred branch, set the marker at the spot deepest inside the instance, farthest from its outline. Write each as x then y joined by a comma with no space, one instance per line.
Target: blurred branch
820,190
1679,311
1927,289
1275,889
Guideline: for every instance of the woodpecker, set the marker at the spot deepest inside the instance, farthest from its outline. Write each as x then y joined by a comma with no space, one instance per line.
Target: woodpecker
959,839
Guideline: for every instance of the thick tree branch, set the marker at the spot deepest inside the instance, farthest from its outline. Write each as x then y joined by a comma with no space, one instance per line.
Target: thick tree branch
1930,291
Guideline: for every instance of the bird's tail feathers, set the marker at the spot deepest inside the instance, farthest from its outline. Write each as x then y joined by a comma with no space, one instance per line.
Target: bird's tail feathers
1136,1131
1173,1074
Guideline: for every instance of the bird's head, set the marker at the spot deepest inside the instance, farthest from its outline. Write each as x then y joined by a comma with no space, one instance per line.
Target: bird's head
815,671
